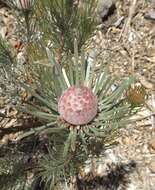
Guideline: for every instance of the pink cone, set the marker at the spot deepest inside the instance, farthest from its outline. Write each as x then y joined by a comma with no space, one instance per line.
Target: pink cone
77,105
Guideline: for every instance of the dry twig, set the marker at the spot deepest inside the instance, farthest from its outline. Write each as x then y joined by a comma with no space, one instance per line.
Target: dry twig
126,27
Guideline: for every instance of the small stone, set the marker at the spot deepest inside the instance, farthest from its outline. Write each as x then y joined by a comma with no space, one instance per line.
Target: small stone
105,8
152,143
151,1
152,166
150,15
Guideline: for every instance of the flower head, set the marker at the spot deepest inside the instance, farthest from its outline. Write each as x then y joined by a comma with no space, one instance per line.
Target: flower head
77,105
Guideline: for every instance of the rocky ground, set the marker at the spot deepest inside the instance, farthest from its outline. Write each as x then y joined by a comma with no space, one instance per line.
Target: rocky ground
126,42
